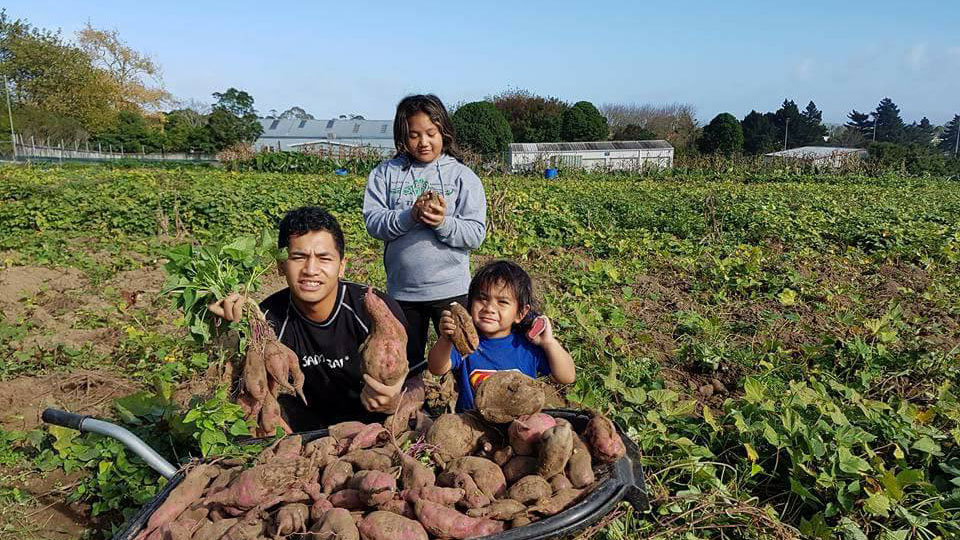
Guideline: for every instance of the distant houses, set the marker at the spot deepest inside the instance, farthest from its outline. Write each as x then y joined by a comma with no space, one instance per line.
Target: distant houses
599,155
326,135
818,156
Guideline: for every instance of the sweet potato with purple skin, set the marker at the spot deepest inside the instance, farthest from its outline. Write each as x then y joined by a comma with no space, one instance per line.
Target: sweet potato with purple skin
293,367
455,435
530,489
473,497
556,503
375,487
270,483
290,519
255,373
411,401
604,441
502,510
345,430
384,352
446,522
335,476
368,460
288,447
556,445
398,506
381,525
465,338
277,367
441,495
323,450
580,466
347,498
270,418
518,467
525,432
320,507
336,524
182,496
507,395
371,435
414,474
559,482
487,475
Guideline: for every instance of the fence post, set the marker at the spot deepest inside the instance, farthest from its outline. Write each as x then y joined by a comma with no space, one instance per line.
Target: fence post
61,150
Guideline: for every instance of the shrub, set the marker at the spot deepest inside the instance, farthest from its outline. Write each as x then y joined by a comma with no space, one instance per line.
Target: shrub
482,128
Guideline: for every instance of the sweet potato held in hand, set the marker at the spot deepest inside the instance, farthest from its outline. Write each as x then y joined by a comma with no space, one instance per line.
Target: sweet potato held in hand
384,351
465,338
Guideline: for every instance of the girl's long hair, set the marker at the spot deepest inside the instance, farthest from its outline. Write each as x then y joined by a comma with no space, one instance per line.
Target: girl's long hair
430,105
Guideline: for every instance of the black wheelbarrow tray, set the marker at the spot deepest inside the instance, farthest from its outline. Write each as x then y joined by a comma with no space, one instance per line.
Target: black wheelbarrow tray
620,481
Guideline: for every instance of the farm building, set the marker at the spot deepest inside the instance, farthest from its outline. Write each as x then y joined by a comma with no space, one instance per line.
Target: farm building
326,135
818,156
602,155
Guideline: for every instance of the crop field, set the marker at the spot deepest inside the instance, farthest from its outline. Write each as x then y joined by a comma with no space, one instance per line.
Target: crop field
783,347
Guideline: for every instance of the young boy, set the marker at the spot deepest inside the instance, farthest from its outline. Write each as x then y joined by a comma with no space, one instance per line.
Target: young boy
499,298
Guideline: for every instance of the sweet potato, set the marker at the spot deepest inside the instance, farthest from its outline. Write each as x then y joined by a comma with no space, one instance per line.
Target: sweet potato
319,507
440,393
520,520
384,352
277,367
559,482
400,507
473,497
502,455
223,479
556,503
487,475
530,489
288,447
214,530
322,450
293,366
465,337
290,519
270,418
255,373
446,496
345,430
375,487
411,401
502,510
446,522
250,527
455,435
335,476
278,480
347,498
336,524
370,435
195,512
580,466
381,525
414,474
518,467
368,460
604,441
506,395
251,406
525,432
556,445
182,496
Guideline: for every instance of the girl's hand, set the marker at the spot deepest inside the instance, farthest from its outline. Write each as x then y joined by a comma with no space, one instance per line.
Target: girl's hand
417,209
544,337
447,324
434,214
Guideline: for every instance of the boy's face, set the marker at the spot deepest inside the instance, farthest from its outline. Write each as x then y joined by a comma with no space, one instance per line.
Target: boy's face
313,267
495,311
424,139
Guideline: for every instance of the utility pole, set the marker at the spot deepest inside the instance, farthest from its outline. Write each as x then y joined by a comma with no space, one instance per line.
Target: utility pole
956,145
13,139
786,133
876,124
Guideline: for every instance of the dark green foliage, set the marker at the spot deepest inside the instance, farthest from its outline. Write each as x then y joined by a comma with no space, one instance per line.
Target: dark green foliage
723,134
482,128
532,118
919,132
633,132
914,159
888,123
860,122
948,140
130,132
759,133
583,122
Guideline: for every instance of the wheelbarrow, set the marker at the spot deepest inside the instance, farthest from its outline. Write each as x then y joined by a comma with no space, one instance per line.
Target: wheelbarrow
620,481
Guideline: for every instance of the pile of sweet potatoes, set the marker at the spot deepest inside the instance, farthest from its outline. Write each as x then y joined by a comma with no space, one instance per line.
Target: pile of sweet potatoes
460,476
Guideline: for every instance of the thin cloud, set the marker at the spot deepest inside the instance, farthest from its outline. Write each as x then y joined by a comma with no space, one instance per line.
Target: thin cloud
917,56
804,70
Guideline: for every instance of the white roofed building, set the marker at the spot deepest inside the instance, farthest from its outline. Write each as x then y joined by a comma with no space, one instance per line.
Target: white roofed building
294,134
600,155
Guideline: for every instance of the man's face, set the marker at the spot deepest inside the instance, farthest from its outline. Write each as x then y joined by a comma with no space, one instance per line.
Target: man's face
313,267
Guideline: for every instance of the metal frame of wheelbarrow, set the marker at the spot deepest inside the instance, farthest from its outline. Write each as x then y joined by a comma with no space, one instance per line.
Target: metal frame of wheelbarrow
620,481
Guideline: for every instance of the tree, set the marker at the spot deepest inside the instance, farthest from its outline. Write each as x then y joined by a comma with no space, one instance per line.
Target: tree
759,133
298,113
889,124
847,137
787,121
583,122
812,130
919,132
860,122
948,140
633,132
482,128
673,122
236,102
136,75
532,118
723,134
130,132
233,119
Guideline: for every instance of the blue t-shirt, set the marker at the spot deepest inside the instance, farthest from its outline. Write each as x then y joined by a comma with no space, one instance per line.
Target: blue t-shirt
511,352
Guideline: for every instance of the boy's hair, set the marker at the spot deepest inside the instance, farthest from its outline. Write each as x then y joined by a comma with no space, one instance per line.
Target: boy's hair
307,219
510,274
430,105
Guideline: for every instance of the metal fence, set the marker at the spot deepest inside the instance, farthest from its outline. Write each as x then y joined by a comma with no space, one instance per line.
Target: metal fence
32,150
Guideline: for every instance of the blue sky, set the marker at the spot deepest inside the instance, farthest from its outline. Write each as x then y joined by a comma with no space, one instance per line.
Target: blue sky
358,56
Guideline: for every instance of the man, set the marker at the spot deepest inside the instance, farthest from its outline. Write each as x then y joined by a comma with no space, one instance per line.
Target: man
322,319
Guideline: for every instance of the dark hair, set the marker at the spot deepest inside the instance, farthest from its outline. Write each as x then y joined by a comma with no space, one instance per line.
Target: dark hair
307,219
430,105
510,274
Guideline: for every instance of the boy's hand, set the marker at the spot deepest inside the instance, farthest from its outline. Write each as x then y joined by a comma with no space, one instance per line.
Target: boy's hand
230,308
544,337
447,325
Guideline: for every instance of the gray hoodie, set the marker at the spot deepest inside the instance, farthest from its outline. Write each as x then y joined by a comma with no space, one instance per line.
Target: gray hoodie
422,263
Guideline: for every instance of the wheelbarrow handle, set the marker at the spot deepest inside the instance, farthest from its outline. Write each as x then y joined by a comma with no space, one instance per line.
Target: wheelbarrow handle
88,424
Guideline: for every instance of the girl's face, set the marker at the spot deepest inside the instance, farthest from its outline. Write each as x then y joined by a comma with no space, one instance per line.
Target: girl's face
495,311
424,139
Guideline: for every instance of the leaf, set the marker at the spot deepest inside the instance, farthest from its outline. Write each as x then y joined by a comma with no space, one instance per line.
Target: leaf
787,297
850,463
709,418
755,390
891,486
928,445
239,428
877,504
850,530
751,453
802,491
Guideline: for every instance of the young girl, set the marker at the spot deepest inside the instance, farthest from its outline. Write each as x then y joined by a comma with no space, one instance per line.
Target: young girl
427,238
499,300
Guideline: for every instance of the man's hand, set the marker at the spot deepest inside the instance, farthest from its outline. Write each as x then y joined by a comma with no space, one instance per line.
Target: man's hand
378,397
230,308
